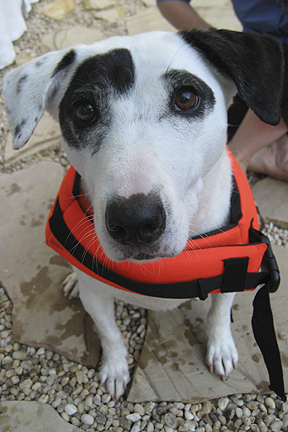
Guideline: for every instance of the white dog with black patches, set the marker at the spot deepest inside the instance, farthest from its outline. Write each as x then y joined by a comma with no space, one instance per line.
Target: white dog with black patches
144,122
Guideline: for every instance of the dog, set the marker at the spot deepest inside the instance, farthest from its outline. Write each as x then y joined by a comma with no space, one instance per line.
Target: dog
144,123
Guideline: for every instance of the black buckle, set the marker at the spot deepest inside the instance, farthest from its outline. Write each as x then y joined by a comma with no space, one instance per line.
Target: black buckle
202,285
269,263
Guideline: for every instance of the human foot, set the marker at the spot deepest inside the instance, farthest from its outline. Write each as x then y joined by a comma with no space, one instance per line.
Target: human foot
272,159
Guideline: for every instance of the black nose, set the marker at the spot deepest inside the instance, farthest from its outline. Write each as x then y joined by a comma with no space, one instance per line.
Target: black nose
140,219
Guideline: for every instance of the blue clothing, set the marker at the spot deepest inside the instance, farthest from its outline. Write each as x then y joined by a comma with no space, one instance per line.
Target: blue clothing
262,16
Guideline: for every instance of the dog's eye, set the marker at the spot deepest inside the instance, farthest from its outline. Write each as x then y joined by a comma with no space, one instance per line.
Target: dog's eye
85,112
185,99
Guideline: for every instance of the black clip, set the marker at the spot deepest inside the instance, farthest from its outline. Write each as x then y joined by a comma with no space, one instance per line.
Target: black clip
269,263
202,284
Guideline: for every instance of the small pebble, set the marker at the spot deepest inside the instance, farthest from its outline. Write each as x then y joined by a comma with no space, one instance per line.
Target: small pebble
70,409
207,406
43,399
135,427
65,416
222,403
106,398
188,415
26,384
75,421
239,412
89,401
170,420
87,419
133,417
19,355
7,360
270,402
285,421
246,421
276,425
139,409
283,336
150,427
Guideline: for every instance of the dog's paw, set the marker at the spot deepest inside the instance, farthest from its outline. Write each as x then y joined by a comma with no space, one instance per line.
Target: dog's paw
114,372
70,286
222,355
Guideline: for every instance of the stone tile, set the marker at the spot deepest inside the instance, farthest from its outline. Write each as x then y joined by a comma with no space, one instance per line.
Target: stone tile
219,17
27,416
32,273
219,13
59,9
71,36
46,134
21,59
111,15
147,20
271,197
99,4
174,350
149,3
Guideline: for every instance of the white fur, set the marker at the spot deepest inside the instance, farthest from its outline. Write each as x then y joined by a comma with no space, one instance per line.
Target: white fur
187,163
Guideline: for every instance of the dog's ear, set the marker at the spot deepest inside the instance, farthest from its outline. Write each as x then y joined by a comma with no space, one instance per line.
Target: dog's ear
254,62
33,87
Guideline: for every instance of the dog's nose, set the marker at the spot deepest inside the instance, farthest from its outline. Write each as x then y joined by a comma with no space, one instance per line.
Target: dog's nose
139,219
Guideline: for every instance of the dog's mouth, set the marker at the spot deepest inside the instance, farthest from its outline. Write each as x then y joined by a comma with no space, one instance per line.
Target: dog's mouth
142,256
134,254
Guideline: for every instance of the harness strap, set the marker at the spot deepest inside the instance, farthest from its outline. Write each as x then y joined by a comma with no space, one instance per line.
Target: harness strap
262,319
264,333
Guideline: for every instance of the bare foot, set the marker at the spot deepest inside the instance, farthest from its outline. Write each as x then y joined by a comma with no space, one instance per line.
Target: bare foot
272,159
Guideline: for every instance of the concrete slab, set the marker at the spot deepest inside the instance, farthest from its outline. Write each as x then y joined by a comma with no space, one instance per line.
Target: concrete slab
71,36
33,417
59,9
99,4
271,196
111,15
218,13
171,365
32,273
147,20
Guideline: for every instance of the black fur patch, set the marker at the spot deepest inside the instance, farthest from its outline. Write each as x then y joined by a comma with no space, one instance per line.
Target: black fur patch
95,80
114,69
18,128
41,62
20,83
67,60
252,61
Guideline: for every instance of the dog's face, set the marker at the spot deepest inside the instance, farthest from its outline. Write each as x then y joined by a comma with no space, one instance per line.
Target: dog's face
143,126
144,121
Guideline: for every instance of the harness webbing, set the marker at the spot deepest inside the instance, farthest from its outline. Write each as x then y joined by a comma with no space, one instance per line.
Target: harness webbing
224,260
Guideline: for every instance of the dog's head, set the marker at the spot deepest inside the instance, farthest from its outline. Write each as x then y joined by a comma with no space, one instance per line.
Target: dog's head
144,121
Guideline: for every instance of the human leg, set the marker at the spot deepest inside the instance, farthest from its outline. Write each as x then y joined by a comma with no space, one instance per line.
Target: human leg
261,147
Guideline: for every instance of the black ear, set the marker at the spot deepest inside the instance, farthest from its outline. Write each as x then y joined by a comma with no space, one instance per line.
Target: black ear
254,62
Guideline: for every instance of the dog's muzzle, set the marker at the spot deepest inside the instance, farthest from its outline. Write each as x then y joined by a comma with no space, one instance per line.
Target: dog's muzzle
137,221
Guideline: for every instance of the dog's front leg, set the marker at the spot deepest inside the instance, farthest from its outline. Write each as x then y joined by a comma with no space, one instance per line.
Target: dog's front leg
221,354
114,370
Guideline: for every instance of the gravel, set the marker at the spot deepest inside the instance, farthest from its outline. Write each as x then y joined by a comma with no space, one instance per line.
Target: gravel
75,393
72,389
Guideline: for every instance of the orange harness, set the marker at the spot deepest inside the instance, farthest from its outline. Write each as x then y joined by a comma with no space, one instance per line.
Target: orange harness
221,260
224,260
